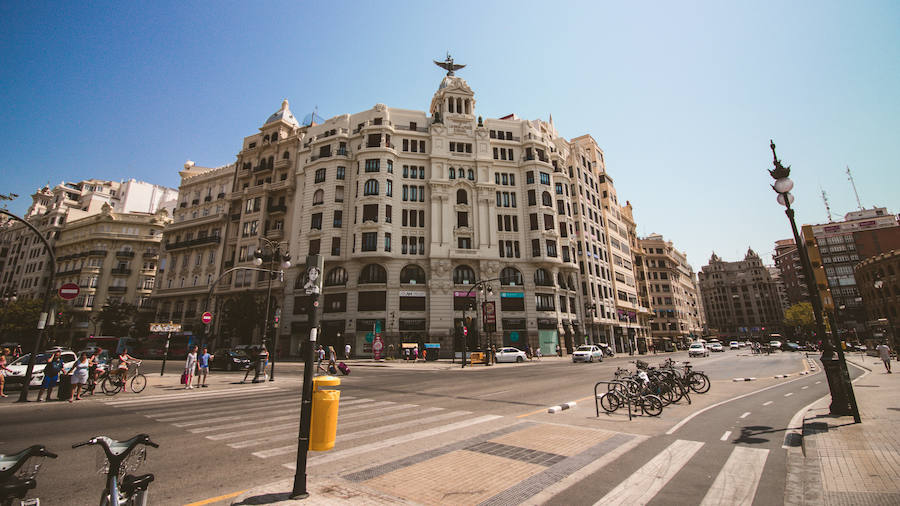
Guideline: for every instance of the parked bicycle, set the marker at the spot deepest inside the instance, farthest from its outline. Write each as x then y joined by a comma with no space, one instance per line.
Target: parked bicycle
119,459
17,478
111,383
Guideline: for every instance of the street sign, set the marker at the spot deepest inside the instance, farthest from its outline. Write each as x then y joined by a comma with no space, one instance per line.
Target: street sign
206,318
165,327
69,291
465,331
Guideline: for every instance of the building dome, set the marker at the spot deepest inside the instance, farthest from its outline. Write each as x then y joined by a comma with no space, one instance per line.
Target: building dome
284,114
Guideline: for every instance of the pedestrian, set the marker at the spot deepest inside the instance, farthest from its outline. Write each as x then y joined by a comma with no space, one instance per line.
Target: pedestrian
203,367
264,361
558,350
122,369
391,351
538,353
3,369
189,365
415,354
79,371
885,354
347,351
332,356
528,352
51,375
425,355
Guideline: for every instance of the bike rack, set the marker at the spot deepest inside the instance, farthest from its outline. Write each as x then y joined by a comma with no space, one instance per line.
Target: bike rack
596,397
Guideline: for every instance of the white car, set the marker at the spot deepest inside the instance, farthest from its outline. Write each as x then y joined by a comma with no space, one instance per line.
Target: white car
587,353
775,345
734,345
511,355
698,350
716,347
37,374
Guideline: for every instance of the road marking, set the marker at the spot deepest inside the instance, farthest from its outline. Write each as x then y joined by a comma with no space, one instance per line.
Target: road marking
818,382
739,478
725,436
646,482
186,412
493,393
804,388
387,443
789,394
245,409
188,396
767,403
716,405
745,415
216,499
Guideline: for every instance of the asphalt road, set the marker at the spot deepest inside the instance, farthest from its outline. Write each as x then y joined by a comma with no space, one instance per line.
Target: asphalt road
196,460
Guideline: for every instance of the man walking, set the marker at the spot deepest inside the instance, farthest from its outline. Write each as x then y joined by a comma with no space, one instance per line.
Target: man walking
203,367
347,351
885,354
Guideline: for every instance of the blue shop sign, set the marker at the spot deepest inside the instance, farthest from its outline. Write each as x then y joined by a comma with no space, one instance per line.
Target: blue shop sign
512,295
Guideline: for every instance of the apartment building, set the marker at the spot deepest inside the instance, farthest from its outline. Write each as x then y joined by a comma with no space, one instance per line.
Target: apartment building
193,246
790,267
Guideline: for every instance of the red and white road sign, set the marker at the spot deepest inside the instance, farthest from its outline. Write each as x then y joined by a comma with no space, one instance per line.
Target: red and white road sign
206,318
69,291
465,331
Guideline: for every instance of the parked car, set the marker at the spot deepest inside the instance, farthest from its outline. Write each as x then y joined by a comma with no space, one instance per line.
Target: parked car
510,355
716,347
230,360
791,347
775,345
734,345
587,353
20,365
698,350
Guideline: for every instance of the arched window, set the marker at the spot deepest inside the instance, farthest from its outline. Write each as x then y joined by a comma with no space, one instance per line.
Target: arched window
463,275
462,197
471,175
546,199
412,274
319,197
335,277
510,276
462,173
286,155
372,273
266,138
371,187
452,173
543,278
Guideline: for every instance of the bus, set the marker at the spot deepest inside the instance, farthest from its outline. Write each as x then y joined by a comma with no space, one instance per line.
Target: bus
154,345
115,345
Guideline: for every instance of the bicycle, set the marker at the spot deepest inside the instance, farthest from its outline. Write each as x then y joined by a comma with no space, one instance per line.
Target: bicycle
123,488
112,383
16,479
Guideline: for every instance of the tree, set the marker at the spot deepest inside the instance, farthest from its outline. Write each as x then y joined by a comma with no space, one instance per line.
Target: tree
116,319
18,320
800,316
241,315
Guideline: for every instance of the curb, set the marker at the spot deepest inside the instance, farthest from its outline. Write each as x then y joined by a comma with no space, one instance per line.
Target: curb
561,407
744,379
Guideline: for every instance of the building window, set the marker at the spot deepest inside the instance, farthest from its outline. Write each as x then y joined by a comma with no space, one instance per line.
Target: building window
462,197
370,188
315,222
369,241
412,274
370,213
314,246
373,165
340,172
462,219
338,220
372,273
336,276
464,242
320,176
387,241
338,193
318,197
510,276
463,275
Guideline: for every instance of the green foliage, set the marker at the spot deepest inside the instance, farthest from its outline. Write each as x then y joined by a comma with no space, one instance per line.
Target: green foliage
241,315
800,315
19,319
116,319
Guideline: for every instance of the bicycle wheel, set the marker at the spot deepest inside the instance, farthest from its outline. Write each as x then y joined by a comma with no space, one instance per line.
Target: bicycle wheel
138,383
110,386
610,402
699,382
652,405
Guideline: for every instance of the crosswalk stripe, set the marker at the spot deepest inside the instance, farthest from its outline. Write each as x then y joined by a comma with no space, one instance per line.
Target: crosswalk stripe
386,443
235,414
179,393
294,414
178,409
738,480
378,430
193,397
252,432
646,482
192,412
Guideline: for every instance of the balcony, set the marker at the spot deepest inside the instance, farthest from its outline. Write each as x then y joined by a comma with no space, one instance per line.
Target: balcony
282,163
69,272
229,264
182,205
117,289
277,208
151,254
260,168
342,152
207,198
220,196
275,233
235,216
210,239
195,202
97,253
121,272
125,254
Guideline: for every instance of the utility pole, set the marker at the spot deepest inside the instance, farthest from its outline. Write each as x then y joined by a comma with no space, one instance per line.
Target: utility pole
853,183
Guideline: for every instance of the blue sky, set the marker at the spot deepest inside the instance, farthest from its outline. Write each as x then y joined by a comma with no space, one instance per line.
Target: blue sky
682,96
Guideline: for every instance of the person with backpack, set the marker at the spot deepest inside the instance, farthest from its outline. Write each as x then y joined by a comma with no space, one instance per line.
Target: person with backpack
51,375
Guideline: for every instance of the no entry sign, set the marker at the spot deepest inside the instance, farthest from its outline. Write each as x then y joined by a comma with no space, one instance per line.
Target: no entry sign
69,291
206,318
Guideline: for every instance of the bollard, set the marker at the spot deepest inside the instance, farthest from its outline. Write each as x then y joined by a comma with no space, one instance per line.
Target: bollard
323,426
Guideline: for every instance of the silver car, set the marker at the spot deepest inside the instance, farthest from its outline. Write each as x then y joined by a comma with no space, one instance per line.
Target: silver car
587,353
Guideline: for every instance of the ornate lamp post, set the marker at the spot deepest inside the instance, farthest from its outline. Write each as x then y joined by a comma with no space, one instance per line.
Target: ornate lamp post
480,286
843,401
275,255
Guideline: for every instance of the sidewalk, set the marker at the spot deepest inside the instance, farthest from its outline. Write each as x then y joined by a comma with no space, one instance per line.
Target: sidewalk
842,463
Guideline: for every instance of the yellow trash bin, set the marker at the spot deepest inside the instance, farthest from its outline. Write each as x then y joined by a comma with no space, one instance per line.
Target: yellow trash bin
323,426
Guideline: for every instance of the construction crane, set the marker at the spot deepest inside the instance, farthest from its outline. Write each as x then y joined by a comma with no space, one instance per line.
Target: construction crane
853,183
827,207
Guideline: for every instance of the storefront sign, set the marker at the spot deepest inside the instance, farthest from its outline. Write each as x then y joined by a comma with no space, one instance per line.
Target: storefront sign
512,295
412,293
463,294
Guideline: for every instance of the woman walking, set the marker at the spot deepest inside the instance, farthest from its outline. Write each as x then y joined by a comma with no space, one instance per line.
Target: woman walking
3,369
79,372
189,365
51,375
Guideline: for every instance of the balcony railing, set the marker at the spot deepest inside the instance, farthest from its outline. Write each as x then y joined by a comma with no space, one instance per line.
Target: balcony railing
210,239
277,208
69,272
125,254
195,202
121,272
151,254
97,253
117,289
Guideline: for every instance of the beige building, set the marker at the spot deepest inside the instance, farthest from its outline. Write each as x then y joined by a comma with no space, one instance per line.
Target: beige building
112,257
193,245
672,292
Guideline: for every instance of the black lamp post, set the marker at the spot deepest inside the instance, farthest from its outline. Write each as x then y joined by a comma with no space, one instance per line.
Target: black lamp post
590,311
275,255
843,401
481,286
879,285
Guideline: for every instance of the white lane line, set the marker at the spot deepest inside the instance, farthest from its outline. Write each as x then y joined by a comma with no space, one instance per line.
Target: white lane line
254,431
789,394
725,436
247,408
387,443
199,397
738,480
745,415
767,403
818,382
646,482
187,396
804,388
373,431
235,416
245,423
716,405
493,393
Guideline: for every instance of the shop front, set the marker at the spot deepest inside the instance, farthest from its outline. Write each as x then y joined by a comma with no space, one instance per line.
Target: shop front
515,332
548,337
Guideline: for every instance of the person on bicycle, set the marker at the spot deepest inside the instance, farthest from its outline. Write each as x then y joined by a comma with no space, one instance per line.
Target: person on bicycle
95,363
122,369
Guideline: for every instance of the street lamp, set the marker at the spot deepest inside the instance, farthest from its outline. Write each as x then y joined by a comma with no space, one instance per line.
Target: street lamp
879,285
480,286
590,309
843,401
276,255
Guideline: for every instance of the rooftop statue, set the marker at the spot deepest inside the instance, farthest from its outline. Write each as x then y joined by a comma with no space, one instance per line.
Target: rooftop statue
448,65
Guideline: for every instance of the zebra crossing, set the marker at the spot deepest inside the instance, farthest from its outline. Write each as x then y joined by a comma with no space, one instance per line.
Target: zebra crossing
369,426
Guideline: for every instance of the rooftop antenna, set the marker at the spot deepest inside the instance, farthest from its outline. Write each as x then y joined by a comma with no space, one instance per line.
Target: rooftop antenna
850,177
827,207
